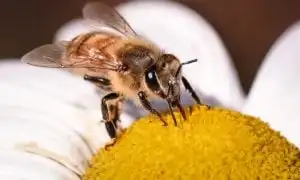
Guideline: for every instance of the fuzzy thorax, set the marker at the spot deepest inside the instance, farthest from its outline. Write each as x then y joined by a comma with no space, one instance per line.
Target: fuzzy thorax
212,144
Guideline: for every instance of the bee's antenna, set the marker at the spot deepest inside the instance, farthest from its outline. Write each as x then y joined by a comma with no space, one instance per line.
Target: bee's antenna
184,63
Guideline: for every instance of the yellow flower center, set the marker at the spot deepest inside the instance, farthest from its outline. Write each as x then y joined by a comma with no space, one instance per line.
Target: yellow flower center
213,143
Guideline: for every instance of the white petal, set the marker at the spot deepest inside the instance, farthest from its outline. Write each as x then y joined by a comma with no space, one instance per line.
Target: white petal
275,94
181,31
53,92
51,113
70,29
22,129
20,165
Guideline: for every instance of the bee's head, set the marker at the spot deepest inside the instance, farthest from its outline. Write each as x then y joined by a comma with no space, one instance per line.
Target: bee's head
163,78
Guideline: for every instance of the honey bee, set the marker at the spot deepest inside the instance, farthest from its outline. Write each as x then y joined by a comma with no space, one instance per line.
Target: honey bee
121,63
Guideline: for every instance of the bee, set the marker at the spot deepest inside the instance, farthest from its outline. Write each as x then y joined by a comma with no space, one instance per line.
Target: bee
120,62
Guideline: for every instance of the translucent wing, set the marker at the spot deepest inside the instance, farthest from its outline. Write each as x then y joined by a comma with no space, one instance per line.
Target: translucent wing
49,55
104,15
55,56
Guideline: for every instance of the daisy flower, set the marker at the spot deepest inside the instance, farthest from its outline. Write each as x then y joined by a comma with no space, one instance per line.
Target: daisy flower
51,125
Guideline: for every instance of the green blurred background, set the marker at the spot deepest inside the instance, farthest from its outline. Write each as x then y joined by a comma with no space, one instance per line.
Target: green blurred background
247,27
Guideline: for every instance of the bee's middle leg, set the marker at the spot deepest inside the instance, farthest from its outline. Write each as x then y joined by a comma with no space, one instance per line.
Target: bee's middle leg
146,104
111,107
101,82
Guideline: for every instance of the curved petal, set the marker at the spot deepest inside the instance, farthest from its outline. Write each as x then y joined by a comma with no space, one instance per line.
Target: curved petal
183,32
51,113
275,94
17,165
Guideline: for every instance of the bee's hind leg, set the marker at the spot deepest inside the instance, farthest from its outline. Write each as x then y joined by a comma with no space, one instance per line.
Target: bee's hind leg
111,107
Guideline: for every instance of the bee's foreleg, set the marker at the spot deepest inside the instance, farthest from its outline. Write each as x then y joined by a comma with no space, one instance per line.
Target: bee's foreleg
111,105
172,113
189,88
147,105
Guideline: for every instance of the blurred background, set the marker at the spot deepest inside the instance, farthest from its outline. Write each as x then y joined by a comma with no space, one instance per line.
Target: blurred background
247,27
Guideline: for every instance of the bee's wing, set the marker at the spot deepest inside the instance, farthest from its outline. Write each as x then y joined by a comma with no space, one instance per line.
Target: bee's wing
54,56
103,15
49,55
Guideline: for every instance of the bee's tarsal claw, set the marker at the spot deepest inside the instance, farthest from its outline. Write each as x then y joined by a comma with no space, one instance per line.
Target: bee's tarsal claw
172,113
181,110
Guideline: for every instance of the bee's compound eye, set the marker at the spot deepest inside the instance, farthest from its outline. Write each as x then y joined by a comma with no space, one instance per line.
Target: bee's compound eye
151,75
151,79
